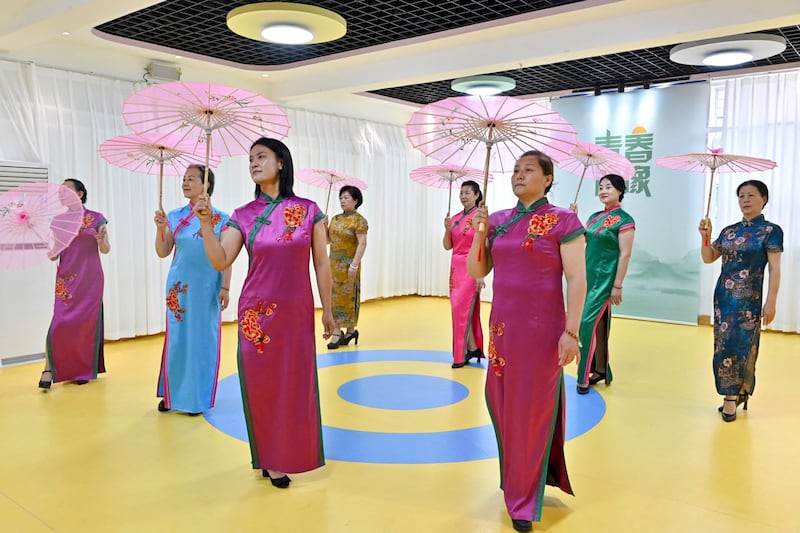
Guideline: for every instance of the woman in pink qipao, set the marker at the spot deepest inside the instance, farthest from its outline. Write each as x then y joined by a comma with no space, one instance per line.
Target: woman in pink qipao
75,338
531,338
277,355
465,292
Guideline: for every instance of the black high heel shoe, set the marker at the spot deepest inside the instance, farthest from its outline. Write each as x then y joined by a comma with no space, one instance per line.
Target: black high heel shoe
742,399
522,525
162,407
474,354
345,340
280,482
45,384
334,344
596,378
725,416
583,389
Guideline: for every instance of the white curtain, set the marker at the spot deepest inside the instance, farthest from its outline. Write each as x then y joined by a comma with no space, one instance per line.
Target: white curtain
761,118
60,118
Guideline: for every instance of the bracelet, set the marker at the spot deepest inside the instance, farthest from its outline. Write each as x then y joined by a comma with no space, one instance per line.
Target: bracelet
354,267
568,332
225,288
618,287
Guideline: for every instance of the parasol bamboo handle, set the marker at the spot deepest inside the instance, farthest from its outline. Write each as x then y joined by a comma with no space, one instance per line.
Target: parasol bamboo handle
575,201
706,220
328,199
205,176
161,188
481,225
450,194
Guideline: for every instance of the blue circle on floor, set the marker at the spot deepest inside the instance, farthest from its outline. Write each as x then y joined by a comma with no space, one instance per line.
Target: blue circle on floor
342,444
403,391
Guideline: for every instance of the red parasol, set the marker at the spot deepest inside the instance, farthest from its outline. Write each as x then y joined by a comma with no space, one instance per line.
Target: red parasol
328,179
597,161
493,130
444,176
37,221
206,113
715,160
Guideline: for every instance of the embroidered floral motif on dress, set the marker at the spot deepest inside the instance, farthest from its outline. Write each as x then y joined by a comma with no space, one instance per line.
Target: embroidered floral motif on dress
495,361
88,220
292,217
250,326
467,226
539,225
173,303
215,218
62,293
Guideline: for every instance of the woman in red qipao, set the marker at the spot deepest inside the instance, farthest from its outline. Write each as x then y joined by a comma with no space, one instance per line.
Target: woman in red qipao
465,292
531,338
277,355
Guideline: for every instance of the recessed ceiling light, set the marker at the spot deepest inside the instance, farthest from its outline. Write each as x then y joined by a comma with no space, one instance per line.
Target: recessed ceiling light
65,33
265,75
483,85
287,34
727,51
178,57
286,23
726,58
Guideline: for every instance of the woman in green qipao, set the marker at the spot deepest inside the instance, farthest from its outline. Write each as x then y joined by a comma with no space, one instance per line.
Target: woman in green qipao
746,248
609,242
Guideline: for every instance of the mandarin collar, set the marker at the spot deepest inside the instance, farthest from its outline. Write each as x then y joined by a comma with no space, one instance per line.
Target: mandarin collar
759,219
269,199
533,207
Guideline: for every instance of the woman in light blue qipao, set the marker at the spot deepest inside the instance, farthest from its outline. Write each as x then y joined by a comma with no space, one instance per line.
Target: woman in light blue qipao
196,296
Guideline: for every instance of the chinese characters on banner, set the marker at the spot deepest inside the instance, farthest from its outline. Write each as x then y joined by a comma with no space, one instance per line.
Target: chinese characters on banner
638,148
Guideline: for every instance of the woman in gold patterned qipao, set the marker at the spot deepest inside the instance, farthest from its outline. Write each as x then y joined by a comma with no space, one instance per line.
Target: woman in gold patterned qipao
347,235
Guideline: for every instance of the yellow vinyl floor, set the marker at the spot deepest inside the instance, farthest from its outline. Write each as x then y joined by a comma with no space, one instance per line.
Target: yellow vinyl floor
101,458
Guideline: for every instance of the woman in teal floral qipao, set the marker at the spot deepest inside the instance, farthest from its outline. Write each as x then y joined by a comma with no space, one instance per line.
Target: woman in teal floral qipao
746,248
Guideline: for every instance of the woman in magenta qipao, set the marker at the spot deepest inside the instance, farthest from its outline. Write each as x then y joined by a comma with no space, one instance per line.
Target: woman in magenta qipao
277,355
746,249
609,242
75,338
196,294
531,338
465,292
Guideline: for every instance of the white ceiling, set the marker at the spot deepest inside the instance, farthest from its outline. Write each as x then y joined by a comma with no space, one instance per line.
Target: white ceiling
32,31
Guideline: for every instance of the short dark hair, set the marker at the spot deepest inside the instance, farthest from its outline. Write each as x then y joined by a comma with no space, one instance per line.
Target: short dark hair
79,186
202,169
354,192
758,184
618,182
544,161
286,175
475,189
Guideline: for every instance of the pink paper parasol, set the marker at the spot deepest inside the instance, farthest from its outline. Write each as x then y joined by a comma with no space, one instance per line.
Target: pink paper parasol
206,113
445,176
493,130
37,221
328,179
596,161
715,160
154,153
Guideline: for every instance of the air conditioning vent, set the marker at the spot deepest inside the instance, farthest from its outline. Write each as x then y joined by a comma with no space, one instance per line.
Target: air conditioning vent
16,173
